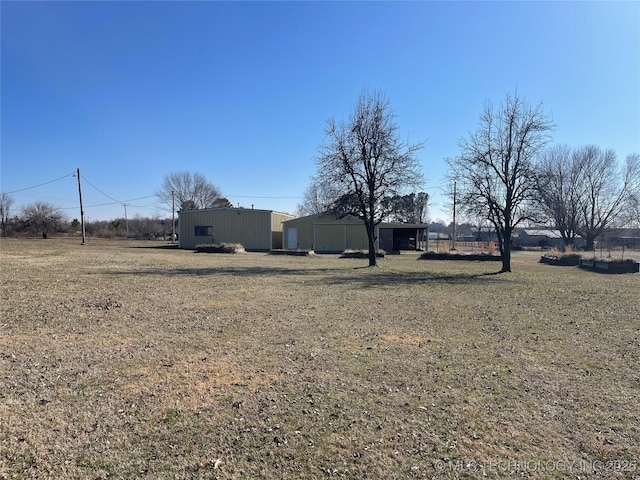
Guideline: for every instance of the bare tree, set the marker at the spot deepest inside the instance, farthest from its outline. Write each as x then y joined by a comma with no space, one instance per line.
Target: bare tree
495,170
364,161
559,190
607,191
634,210
41,217
6,203
188,190
314,200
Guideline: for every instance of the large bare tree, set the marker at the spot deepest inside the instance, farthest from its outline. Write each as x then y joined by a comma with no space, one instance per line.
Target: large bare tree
607,190
5,207
41,217
495,169
364,160
188,191
314,200
635,211
560,193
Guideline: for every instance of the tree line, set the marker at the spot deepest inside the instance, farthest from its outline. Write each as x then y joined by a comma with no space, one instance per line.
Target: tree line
179,190
42,219
505,174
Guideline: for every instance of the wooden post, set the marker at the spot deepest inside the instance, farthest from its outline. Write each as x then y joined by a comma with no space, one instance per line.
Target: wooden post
81,210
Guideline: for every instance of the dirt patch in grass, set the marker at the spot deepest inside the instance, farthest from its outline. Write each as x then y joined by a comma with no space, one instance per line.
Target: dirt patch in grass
361,254
125,362
220,248
295,253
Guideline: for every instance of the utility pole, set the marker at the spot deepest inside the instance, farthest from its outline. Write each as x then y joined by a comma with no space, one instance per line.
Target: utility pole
126,220
173,213
454,217
81,210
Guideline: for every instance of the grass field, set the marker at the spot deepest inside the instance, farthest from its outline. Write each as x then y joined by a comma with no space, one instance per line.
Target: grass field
119,360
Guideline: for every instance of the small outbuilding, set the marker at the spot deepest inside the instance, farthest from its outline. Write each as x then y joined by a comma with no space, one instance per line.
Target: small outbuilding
255,230
324,233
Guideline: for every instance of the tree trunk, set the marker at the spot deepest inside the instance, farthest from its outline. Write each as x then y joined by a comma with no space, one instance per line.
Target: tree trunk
506,251
371,229
506,259
589,243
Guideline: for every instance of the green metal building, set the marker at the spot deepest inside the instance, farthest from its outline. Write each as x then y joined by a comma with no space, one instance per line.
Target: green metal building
255,230
327,234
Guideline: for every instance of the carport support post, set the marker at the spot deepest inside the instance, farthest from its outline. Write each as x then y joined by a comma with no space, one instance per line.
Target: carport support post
173,216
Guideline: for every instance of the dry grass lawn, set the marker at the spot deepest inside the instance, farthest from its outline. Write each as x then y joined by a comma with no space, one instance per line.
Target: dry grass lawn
122,361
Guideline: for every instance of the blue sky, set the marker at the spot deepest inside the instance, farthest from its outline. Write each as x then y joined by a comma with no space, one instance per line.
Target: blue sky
242,91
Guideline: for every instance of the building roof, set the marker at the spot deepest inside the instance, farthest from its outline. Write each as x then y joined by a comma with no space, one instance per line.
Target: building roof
235,209
542,232
327,218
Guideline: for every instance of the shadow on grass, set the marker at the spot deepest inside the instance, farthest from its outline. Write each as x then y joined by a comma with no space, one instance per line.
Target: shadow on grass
359,277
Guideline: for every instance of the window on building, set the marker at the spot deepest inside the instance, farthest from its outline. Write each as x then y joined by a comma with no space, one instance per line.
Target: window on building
204,231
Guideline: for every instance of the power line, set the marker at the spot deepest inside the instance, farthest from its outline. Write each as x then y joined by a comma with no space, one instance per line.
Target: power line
41,184
255,196
140,198
115,202
141,206
108,196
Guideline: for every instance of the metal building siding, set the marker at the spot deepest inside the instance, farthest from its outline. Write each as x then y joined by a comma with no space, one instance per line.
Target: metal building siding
325,233
277,237
305,231
186,227
277,219
251,228
357,238
330,237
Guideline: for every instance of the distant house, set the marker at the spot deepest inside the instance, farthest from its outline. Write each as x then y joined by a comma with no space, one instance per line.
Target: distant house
324,233
621,237
255,230
467,237
544,238
438,236
626,241
485,234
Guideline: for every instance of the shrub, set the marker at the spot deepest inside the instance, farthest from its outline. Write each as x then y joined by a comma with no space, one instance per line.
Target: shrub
556,256
554,252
